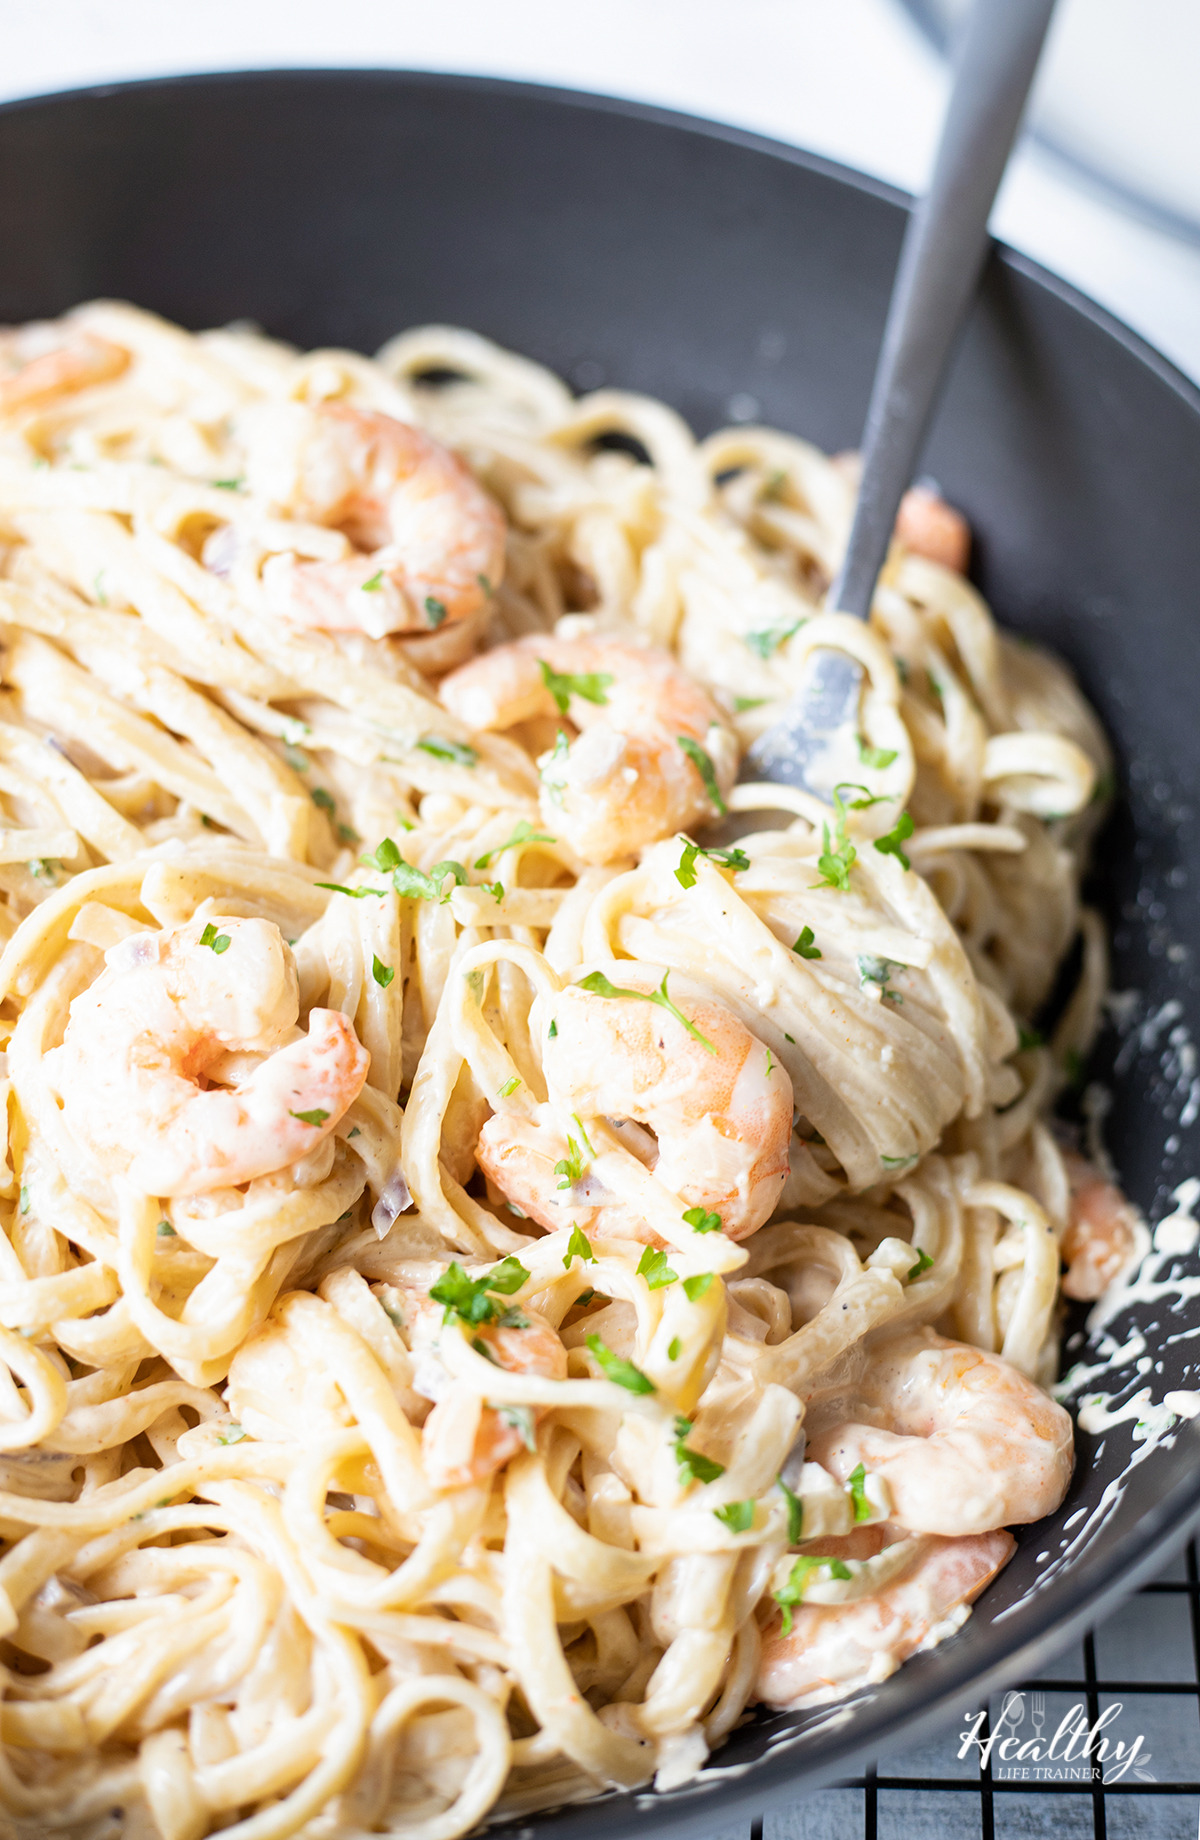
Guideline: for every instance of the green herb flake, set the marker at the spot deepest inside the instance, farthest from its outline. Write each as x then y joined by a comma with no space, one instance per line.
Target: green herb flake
583,1299
98,591
563,685
738,1516
551,767
770,1065
571,1166
674,1348
508,1089
795,1512
217,942
229,485
742,703
232,1434
298,761
873,970
385,857
374,585
622,1373
890,845
802,1570
521,1420
790,1038
486,585
323,800
857,1485
694,1466
578,1247
552,1031
898,1162
165,1230
654,1268
923,1264
416,885
597,985
383,974
878,758
701,1221
1028,1039
524,833
702,761
356,894
347,834
685,874
698,1286
766,643
24,1199
805,948
838,855
315,1117
435,610
456,752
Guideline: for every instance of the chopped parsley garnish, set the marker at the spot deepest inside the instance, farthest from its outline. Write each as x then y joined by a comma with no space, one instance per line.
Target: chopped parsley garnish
768,641
409,881
839,854
742,703
571,1166
383,974
654,1268
323,800
435,610
583,1299
873,970
456,752
597,985
804,945
165,1230
509,1088
923,1263
770,1065
879,758
24,1199
694,1466
699,1286
356,894
348,834
898,1162
468,1299
521,1420
674,1348
232,1434
890,845
563,685
802,1570
552,1031
867,800
795,1512
374,585
385,858
1029,1038
486,585
857,1485
217,942
702,762
315,1117
701,1220
622,1373
229,485
550,767
578,1247
685,875
524,833
738,1516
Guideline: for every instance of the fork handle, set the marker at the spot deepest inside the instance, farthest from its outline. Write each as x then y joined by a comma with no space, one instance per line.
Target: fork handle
943,253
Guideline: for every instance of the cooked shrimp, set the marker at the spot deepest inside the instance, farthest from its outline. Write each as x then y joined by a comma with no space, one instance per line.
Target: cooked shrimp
429,540
637,770
721,1113
1102,1234
171,1014
833,1649
931,527
525,1344
38,363
964,1442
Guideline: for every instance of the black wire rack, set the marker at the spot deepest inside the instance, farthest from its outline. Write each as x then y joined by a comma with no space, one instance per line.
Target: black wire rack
1133,1682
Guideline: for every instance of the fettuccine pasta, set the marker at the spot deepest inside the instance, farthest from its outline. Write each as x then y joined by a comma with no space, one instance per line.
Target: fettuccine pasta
520,1240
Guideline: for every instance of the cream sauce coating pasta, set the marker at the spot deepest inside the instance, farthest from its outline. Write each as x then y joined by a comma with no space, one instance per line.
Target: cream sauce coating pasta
543,1167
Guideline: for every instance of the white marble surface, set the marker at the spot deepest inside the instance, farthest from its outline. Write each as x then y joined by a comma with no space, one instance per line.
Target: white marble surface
849,78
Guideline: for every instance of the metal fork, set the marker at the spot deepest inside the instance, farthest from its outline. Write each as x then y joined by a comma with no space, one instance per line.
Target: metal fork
939,267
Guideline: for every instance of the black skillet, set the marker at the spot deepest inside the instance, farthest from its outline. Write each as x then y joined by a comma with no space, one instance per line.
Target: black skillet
732,277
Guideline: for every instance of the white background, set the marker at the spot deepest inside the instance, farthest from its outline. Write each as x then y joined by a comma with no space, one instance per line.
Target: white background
849,78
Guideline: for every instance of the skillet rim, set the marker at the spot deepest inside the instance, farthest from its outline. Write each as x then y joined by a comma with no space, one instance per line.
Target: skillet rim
1161,1529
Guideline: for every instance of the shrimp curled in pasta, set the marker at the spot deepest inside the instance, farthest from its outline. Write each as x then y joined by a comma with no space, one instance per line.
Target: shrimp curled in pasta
832,1649
964,1442
37,364
653,754
429,542
719,1105
170,1017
